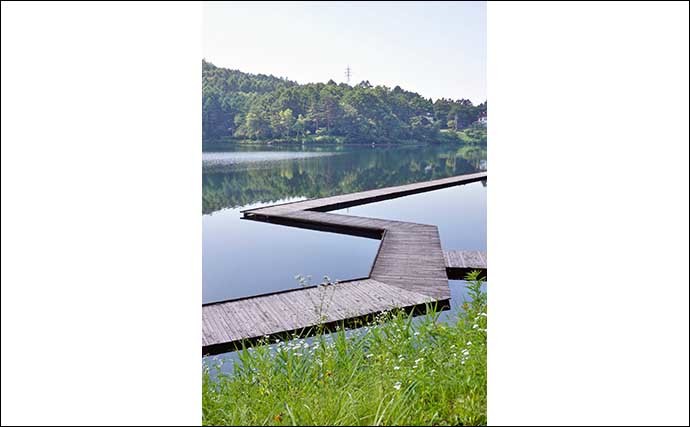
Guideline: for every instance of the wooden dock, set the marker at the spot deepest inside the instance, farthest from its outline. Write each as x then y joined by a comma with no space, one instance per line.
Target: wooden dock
459,263
409,272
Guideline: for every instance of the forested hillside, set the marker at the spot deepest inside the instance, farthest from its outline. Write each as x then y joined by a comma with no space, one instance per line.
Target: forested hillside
258,107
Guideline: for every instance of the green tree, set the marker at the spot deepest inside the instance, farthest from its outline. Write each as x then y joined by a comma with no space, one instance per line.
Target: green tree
260,107
285,122
300,126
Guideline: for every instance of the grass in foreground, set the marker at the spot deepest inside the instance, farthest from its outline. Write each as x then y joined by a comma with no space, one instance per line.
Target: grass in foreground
398,371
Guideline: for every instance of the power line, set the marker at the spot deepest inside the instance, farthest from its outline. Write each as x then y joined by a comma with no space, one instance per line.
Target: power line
348,74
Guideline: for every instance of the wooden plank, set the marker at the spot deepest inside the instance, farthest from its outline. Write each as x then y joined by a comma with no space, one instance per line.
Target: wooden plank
370,297
465,259
363,197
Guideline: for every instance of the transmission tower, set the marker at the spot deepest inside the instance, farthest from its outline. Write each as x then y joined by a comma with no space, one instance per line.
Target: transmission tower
348,74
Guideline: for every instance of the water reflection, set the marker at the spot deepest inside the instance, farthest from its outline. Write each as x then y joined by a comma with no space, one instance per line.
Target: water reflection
251,176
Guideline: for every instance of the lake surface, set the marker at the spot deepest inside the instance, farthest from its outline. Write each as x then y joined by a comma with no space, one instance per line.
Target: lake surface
243,258
459,213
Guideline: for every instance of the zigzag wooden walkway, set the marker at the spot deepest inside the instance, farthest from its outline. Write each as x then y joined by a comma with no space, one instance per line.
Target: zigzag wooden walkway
409,272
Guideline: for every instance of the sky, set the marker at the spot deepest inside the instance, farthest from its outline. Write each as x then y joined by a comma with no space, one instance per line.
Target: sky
437,49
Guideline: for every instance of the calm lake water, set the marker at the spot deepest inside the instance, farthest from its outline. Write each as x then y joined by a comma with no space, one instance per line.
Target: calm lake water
458,212
242,257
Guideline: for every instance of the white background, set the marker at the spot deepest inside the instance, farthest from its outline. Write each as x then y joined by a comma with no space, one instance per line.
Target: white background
588,213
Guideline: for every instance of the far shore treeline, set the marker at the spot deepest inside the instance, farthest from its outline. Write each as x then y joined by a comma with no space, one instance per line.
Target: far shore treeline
242,107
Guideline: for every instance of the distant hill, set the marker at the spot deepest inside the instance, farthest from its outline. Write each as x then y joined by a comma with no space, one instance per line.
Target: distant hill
267,108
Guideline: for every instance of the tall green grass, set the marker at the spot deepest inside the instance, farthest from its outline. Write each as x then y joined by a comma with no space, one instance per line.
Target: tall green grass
398,371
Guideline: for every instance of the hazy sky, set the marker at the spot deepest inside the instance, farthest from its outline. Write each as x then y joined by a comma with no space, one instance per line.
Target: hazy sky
437,49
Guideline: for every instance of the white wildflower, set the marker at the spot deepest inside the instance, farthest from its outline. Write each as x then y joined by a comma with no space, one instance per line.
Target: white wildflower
397,385
418,360
396,368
